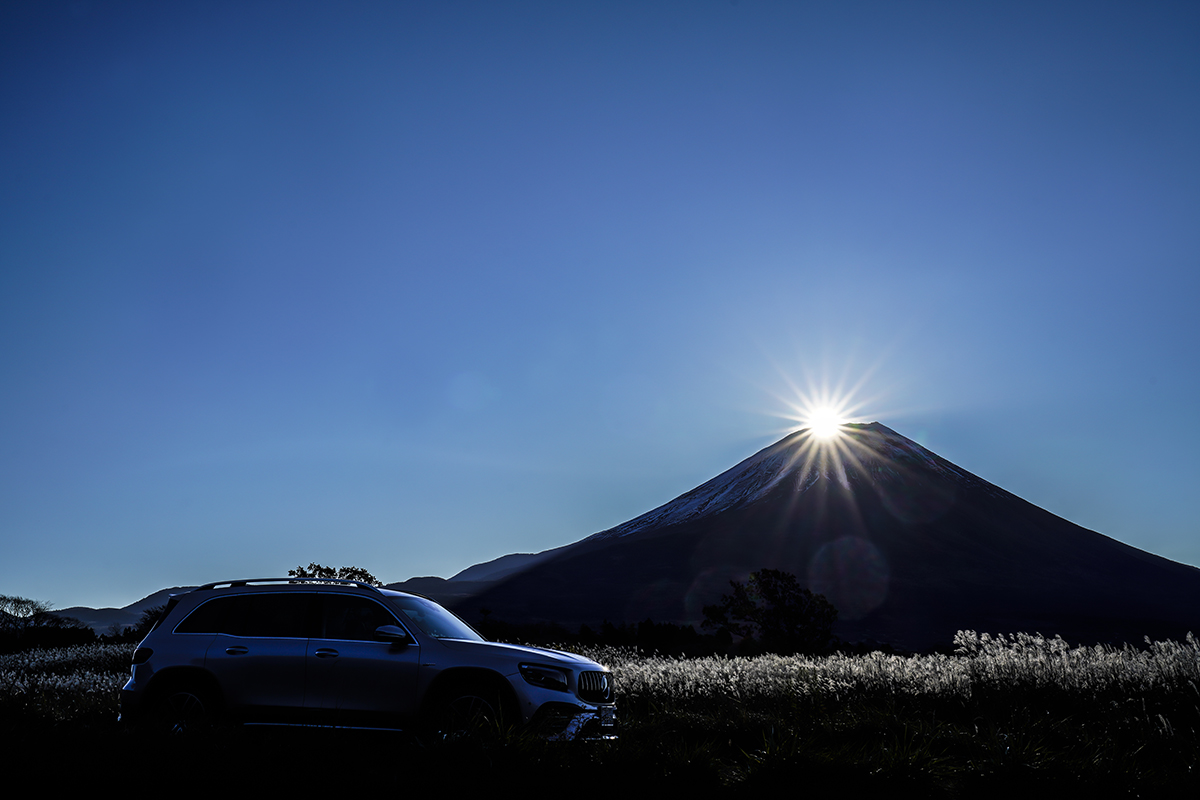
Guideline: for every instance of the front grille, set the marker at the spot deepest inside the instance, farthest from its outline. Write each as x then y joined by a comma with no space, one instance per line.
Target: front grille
595,687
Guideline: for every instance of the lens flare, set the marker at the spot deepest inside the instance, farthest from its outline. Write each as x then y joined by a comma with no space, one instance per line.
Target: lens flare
852,574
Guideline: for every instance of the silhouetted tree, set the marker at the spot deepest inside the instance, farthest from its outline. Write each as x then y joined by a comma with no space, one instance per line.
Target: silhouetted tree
774,611
132,634
147,621
19,613
30,623
322,572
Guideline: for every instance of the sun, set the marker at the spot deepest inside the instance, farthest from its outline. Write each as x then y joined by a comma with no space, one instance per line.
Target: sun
825,422
822,410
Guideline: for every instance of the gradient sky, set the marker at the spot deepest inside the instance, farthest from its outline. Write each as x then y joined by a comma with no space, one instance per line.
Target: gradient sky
413,285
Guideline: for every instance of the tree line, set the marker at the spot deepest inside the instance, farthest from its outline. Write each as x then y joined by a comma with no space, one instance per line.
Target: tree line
769,613
26,624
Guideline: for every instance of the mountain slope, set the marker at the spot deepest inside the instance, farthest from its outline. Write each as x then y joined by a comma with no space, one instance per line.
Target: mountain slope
908,546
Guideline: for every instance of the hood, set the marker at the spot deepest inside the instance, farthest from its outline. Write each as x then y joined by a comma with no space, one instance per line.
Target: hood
521,652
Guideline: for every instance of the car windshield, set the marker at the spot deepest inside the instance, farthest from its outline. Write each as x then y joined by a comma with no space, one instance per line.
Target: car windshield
434,620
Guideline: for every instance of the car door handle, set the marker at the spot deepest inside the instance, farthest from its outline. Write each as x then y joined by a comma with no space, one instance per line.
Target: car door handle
236,650
326,652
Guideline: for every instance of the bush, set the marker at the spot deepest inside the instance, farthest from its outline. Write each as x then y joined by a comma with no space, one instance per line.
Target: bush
773,614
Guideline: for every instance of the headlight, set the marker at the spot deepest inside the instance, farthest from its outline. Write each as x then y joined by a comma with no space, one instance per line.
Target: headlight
545,677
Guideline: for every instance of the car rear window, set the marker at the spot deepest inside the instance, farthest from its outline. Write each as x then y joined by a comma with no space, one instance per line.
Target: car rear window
261,615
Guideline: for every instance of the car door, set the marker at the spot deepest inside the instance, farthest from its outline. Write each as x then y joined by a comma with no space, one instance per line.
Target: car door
258,653
353,677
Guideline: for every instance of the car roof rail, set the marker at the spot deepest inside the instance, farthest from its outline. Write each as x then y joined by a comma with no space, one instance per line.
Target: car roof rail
249,581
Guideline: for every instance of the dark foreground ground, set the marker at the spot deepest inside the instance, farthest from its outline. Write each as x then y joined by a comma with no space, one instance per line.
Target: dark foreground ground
673,758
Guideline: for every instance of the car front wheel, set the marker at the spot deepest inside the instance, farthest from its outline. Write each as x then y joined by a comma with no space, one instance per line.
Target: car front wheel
473,715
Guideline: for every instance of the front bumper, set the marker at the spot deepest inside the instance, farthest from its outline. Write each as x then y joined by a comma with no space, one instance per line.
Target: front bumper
566,722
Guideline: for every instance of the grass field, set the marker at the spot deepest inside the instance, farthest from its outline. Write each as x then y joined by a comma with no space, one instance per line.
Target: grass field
1003,715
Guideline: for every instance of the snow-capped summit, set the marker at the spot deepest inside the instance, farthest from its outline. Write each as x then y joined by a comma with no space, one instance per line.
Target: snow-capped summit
860,453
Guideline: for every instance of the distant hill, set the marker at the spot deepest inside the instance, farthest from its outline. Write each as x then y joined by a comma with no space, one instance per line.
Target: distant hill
502,567
101,620
475,579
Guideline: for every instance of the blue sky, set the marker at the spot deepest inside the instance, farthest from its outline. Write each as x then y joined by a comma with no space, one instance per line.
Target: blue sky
413,285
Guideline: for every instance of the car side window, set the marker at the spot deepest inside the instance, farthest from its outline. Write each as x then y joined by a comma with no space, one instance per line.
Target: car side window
281,615
345,616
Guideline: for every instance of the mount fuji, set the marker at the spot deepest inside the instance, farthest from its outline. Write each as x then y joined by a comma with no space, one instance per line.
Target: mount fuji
908,546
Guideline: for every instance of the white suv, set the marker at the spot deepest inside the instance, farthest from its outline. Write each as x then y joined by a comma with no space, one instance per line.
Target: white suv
348,654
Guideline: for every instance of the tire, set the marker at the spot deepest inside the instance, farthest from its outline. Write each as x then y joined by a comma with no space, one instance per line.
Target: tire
475,715
183,710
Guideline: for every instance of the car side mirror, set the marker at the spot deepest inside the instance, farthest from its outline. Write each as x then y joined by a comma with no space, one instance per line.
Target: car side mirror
392,633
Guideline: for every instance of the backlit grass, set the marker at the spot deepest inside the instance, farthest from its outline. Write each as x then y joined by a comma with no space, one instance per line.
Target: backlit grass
1003,714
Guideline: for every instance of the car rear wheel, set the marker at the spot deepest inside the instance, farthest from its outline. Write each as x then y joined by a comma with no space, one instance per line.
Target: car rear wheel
183,710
